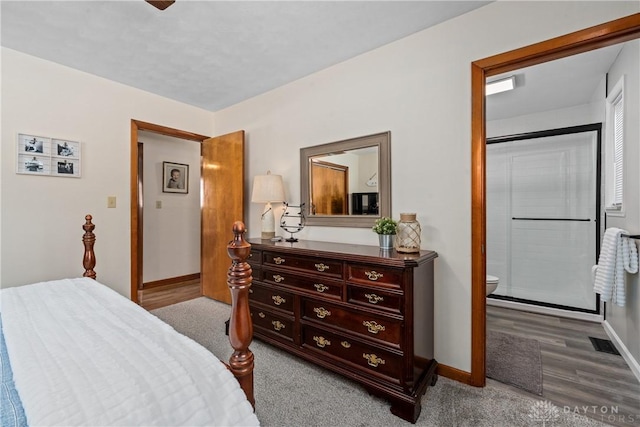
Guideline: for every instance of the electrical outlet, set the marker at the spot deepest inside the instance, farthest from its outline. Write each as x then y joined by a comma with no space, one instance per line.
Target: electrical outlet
158,204
111,202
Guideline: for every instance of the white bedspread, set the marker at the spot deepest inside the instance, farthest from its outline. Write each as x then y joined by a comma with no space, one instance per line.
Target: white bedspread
83,355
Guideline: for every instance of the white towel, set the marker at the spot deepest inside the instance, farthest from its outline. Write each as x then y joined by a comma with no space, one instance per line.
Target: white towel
617,255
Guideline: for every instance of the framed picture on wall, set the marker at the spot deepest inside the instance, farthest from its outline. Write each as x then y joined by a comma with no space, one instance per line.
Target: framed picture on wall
35,145
175,177
32,164
39,155
62,166
65,158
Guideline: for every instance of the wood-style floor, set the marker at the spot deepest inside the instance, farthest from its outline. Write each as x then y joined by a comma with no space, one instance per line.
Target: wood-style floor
575,377
162,296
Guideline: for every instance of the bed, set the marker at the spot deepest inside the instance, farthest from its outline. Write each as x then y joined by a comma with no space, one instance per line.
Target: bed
75,352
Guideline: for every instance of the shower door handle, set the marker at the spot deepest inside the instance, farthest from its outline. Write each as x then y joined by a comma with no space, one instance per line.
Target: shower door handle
551,219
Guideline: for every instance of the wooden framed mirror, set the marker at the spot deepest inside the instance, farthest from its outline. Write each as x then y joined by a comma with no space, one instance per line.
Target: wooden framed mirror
347,183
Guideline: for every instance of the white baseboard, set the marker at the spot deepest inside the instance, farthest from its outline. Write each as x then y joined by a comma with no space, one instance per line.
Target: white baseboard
579,315
624,351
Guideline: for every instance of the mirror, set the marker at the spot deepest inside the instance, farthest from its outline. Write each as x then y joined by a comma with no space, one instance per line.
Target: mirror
347,183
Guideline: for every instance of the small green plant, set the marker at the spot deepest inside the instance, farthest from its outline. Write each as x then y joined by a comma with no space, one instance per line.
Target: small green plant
385,225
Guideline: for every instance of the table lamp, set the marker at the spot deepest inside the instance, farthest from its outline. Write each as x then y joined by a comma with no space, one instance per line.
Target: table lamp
267,189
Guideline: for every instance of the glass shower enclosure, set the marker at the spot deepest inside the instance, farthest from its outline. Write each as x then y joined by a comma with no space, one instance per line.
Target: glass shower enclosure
543,216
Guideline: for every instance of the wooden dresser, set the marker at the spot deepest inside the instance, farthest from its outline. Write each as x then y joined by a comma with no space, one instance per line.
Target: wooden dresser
364,313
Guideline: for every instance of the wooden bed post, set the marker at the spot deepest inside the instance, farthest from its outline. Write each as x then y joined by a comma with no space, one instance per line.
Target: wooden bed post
89,260
240,325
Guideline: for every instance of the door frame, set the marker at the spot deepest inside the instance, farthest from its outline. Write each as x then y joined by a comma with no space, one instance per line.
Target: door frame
606,34
136,204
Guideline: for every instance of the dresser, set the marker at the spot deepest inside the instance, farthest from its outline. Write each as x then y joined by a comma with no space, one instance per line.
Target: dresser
358,311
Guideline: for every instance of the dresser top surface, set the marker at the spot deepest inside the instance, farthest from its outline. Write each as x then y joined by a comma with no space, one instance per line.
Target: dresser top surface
345,251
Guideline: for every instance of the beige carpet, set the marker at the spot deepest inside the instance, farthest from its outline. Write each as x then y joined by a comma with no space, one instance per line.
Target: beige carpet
515,361
291,392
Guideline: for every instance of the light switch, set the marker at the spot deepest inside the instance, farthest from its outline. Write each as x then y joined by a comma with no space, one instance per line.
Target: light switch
158,204
111,201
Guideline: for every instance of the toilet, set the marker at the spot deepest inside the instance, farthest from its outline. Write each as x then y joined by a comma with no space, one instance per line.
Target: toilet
492,284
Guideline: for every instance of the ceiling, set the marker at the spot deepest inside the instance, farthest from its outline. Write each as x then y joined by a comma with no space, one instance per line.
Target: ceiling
212,54
553,85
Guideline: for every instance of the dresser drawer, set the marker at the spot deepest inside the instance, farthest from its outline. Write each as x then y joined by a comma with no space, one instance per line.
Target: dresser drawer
369,359
272,324
274,297
317,266
380,276
329,288
373,297
384,329
254,257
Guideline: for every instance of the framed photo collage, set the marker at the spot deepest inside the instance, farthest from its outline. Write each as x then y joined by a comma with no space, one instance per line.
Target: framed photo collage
37,155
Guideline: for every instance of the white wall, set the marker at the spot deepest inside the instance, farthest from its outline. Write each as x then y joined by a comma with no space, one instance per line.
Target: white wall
625,321
171,231
418,88
42,217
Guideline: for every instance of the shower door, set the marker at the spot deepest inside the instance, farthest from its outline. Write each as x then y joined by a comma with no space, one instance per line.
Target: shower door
543,217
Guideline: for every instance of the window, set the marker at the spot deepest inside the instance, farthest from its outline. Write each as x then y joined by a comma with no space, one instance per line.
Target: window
614,154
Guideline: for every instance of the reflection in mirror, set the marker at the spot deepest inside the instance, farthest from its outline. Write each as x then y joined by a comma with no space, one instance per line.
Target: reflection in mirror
347,183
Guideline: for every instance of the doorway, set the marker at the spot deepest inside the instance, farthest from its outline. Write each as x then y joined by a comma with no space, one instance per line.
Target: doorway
221,192
606,34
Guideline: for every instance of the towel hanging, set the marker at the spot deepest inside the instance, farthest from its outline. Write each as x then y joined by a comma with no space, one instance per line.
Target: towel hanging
618,255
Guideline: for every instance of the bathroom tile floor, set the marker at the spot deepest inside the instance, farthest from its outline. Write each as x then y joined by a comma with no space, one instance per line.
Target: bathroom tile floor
575,377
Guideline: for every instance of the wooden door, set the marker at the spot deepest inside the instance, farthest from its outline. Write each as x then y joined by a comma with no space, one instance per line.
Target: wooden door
329,188
222,205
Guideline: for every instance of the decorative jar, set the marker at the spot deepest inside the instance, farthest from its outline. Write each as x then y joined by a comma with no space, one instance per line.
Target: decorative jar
408,234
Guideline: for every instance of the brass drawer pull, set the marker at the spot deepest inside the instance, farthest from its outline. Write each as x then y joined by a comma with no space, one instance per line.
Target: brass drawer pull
345,344
321,267
262,315
373,298
373,275
373,360
320,287
321,341
321,312
373,326
277,325
277,299
278,278
278,260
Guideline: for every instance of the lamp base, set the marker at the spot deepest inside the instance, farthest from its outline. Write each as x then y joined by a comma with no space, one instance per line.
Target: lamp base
268,235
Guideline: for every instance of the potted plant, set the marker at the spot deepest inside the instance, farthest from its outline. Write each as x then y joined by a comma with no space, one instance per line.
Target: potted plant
386,229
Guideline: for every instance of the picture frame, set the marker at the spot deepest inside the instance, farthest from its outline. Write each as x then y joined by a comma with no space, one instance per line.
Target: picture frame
39,155
65,158
175,178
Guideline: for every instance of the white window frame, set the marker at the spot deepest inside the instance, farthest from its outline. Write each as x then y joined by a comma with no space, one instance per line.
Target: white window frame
614,150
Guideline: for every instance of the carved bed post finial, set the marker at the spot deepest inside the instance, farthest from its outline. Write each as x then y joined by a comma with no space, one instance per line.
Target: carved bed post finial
89,260
240,325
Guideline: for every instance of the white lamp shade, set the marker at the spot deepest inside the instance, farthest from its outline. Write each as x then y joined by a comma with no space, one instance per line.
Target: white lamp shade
267,188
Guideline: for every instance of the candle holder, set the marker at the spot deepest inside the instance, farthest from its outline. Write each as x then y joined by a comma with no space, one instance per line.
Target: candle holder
292,220
408,235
